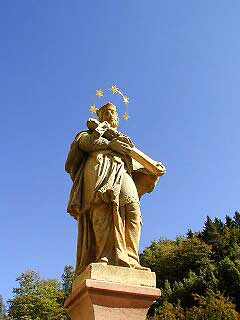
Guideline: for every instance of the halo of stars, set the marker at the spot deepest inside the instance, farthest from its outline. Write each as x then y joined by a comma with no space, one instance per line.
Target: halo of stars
114,90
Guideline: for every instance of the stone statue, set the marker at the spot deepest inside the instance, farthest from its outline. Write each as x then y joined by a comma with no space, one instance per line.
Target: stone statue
109,176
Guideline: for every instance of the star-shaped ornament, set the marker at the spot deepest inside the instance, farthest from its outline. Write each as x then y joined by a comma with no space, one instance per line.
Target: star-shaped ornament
99,93
114,89
93,108
125,99
126,116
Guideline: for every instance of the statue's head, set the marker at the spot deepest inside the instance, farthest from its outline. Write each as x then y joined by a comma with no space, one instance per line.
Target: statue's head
108,113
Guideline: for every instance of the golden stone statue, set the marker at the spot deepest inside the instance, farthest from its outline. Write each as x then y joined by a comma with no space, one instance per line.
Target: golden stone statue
109,176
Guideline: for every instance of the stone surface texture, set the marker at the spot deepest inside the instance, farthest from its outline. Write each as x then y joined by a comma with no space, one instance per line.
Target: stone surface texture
122,275
94,299
109,176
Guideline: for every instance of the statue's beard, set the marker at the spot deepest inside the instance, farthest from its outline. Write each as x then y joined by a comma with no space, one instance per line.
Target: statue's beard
113,122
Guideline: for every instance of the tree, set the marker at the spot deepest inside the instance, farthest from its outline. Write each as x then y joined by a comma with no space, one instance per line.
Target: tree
199,277
3,315
237,219
212,306
168,311
172,260
67,279
229,275
37,299
189,268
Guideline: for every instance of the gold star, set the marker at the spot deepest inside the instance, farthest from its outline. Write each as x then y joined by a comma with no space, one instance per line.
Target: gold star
93,108
99,93
126,116
125,99
114,89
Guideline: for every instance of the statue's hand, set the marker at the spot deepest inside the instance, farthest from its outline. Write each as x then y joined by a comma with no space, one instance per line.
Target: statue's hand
101,129
119,146
126,140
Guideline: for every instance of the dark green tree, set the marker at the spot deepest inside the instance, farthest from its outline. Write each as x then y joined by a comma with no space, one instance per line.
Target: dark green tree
229,276
172,260
3,314
237,219
211,306
67,279
191,267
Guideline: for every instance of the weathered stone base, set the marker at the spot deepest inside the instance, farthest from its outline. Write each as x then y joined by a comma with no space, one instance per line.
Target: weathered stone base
98,271
94,299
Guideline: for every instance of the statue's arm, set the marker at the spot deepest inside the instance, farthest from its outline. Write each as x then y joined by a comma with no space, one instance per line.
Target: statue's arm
89,143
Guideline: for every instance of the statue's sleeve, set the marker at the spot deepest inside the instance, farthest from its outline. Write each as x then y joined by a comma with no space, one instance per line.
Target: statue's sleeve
75,157
89,143
143,179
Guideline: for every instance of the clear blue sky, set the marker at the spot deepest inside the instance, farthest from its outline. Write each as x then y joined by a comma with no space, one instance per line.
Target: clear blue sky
178,61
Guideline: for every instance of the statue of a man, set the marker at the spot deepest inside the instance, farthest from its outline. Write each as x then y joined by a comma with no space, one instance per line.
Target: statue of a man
107,186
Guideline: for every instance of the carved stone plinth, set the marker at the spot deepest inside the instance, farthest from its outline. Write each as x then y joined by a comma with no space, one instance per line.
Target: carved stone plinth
94,299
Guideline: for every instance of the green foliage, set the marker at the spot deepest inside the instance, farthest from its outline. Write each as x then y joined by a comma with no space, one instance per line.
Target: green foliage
3,315
37,299
211,306
172,260
222,236
198,274
199,277
67,279
229,275
169,312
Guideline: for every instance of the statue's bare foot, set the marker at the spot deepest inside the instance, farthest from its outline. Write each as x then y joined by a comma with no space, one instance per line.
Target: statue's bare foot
103,261
139,267
123,263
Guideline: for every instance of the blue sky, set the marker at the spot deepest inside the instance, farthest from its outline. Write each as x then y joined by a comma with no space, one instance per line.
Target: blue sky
178,61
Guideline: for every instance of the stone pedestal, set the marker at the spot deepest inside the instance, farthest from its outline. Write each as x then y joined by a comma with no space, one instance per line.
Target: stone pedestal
109,292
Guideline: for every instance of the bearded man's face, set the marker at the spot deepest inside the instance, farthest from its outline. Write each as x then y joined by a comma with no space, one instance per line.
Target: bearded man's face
111,116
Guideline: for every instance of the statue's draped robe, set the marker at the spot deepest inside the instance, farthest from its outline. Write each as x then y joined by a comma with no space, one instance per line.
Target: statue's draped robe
103,177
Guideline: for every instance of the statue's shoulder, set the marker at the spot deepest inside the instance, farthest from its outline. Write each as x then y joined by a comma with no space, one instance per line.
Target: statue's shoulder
75,156
78,136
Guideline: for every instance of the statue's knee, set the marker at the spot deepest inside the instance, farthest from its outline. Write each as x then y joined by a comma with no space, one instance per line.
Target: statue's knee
134,207
133,212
